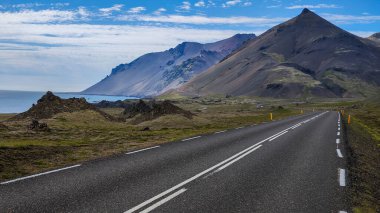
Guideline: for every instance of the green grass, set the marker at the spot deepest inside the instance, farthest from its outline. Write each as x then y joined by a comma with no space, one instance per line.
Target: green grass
292,75
355,86
363,135
4,117
277,57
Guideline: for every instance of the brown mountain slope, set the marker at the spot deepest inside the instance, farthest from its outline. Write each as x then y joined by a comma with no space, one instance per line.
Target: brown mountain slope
305,56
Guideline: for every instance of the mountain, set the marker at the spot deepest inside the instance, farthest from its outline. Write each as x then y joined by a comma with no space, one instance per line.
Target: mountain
154,73
376,38
306,56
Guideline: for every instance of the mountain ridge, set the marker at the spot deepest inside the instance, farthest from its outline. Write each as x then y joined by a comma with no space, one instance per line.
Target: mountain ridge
154,73
303,57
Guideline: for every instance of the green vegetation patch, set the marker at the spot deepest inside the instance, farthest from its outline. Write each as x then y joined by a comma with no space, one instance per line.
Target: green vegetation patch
291,75
275,56
354,86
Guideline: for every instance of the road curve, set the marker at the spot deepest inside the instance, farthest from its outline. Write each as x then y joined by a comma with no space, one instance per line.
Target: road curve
291,165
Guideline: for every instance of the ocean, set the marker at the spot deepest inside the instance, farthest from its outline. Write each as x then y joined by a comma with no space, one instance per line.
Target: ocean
20,101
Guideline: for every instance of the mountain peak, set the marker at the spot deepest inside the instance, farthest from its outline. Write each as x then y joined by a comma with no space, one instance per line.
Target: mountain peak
309,19
305,11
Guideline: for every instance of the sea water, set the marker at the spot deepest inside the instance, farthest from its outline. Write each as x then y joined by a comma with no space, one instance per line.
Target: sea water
20,101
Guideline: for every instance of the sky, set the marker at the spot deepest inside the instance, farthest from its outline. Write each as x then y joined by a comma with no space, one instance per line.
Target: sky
68,46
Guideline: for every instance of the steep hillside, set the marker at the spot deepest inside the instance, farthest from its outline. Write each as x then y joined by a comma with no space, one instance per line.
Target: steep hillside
303,57
154,73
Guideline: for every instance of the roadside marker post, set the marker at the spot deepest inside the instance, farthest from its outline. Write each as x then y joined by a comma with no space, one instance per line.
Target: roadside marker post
301,111
271,116
349,119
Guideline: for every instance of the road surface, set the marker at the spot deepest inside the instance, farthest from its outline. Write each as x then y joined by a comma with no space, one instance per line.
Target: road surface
291,165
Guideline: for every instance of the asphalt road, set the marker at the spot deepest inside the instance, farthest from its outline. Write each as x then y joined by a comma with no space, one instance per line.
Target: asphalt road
292,165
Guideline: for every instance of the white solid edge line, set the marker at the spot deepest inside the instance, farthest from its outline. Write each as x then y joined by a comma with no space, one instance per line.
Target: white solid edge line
168,198
238,158
342,211
337,140
342,177
36,175
128,153
339,153
191,138
196,176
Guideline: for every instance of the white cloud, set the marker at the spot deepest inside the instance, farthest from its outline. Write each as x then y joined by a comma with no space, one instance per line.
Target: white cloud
350,19
136,10
107,11
83,12
159,11
27,5
185,7
363,34
248,3
231,3
203,20
60,4
211,3
200,4
274,6
40,16
72,57
316,6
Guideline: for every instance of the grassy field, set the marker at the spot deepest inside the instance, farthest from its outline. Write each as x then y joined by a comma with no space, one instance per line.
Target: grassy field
85,135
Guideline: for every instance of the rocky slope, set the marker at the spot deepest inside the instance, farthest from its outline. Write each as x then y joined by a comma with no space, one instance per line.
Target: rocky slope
154,73
305,56
143,111
49,105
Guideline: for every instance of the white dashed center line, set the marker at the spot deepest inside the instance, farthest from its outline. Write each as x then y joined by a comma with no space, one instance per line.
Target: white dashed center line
342,177
339,153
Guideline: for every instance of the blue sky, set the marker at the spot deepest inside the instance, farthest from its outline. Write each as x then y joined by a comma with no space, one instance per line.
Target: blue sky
70,45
